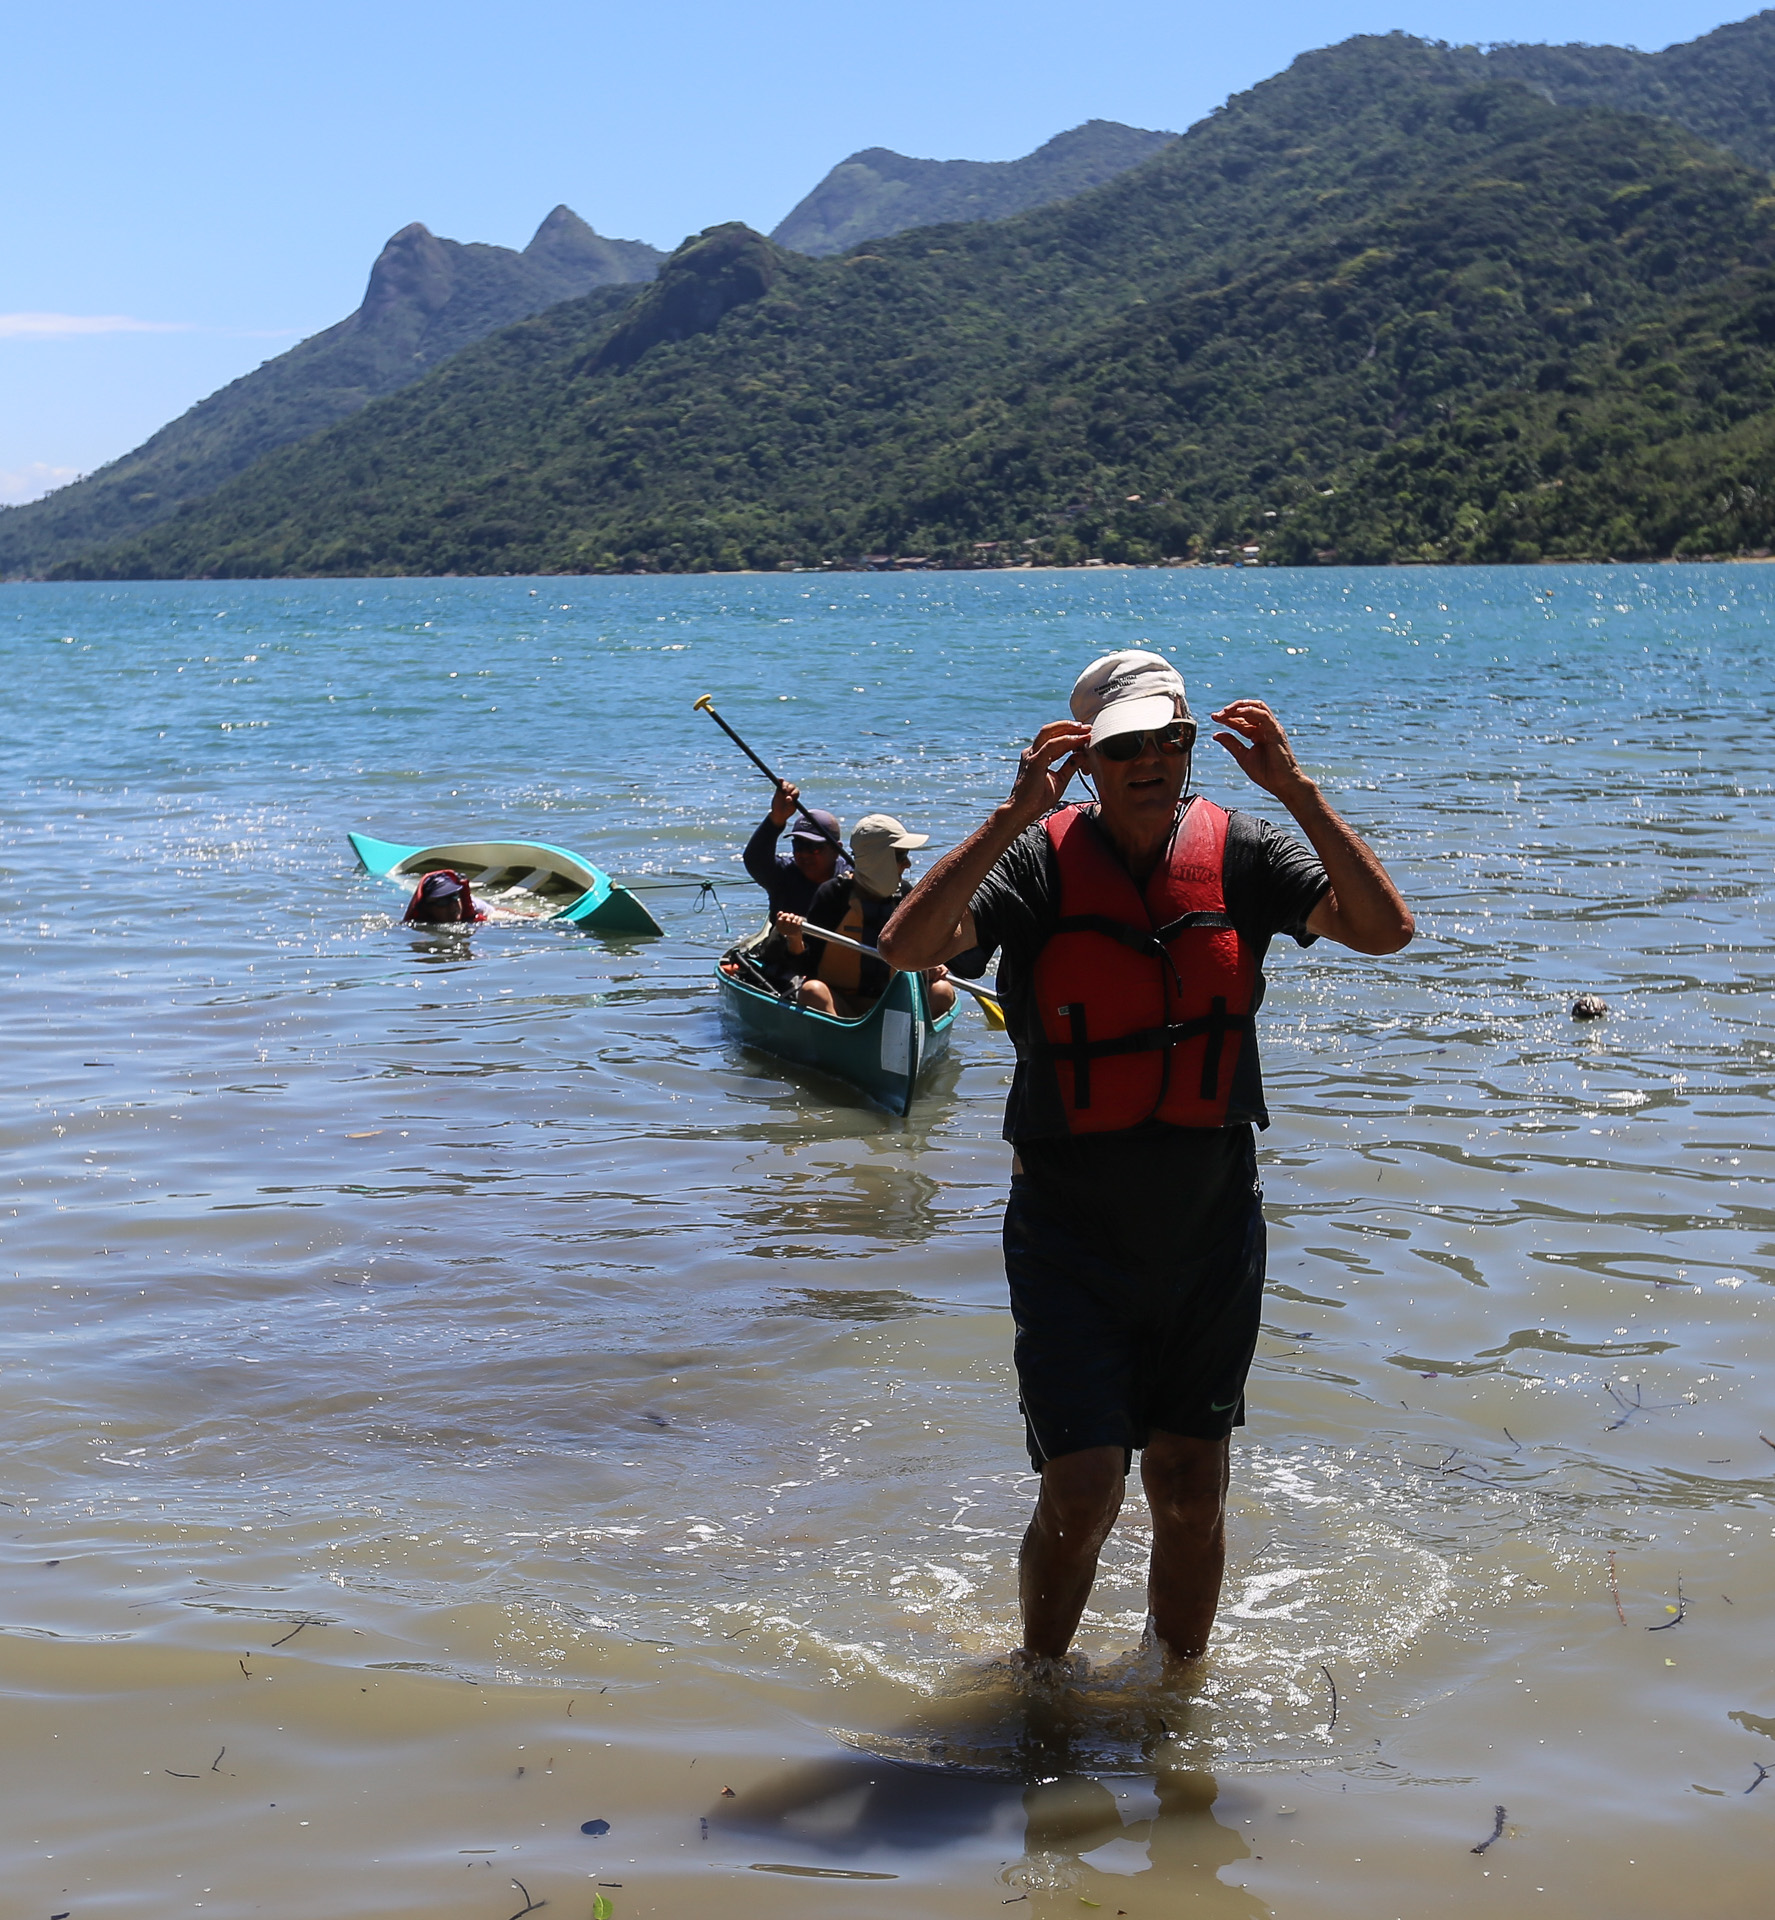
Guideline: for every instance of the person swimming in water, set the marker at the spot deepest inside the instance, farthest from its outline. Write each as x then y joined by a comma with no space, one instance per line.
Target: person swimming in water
442,899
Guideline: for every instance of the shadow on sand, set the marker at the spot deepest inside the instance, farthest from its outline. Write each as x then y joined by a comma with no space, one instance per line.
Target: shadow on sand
1012,1763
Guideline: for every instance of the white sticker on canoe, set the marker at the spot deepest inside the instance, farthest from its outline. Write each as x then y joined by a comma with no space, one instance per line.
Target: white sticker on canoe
896,1042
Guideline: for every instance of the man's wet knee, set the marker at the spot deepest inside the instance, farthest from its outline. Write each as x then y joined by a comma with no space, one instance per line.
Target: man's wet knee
1185,1484
1082,1492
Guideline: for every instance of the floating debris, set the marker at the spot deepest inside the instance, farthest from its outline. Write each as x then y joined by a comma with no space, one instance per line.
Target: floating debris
1589,1006
1680,1610
594,1827
1496,1832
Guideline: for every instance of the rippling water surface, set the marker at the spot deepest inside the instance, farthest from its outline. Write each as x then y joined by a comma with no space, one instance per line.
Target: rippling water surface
452,1393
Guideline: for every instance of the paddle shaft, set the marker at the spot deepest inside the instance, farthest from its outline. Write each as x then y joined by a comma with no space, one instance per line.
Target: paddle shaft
874,953
776,780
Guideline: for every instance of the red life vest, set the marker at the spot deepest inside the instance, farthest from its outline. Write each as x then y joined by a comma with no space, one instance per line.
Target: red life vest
1143,998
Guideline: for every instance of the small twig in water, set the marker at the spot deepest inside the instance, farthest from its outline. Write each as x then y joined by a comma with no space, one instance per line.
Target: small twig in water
1496,1832
1762,1775
1628,1407
1332,1684
1682,1608
296,1629
216,1763
1767,1442
530,1905
1615,1589
182,1776
1517,1444
1638,1404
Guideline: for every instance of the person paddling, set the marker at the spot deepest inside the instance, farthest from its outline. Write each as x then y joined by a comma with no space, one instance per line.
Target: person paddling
815,852
1132,936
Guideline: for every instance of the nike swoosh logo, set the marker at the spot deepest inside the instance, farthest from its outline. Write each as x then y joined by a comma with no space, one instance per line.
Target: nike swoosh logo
1219,1406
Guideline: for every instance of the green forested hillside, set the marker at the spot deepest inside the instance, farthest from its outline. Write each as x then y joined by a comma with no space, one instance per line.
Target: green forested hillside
1721,86
1382,307
878,192
427,298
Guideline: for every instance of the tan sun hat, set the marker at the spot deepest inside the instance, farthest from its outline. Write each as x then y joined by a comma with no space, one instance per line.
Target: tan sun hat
1129,692
875,839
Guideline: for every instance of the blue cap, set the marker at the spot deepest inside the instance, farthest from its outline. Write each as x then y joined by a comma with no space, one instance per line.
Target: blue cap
811,835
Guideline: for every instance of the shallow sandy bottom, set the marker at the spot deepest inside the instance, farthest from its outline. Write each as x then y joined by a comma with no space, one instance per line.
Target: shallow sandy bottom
452,1394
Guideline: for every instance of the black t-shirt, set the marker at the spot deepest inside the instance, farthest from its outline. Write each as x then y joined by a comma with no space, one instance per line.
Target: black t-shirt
1272,883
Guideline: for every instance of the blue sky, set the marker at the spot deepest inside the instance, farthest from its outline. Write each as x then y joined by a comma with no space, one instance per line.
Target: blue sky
190,188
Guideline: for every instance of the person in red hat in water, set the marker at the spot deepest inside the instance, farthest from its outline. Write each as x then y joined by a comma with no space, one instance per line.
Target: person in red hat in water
442,899
1132,936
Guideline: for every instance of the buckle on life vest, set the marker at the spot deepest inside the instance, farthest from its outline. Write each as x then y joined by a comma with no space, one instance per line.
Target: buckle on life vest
1074,1016
1080,1049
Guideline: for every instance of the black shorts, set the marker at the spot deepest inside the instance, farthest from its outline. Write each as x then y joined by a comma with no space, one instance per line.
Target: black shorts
1136,1268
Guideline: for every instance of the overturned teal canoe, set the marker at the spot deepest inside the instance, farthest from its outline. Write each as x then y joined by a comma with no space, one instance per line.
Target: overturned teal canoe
528,874
883,1055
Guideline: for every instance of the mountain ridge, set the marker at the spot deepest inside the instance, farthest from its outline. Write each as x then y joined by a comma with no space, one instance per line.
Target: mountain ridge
1378,258
876,192
425,299
1059,382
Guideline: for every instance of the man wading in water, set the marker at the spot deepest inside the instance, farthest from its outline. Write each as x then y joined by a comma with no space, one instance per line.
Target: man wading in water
1132,937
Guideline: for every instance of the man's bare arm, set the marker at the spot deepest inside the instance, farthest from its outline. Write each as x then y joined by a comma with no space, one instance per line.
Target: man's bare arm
934,923
1363,909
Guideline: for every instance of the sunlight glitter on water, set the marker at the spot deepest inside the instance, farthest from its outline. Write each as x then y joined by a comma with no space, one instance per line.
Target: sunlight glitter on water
431,1359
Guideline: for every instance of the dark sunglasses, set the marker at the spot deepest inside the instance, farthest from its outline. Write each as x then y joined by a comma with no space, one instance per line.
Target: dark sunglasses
1178,737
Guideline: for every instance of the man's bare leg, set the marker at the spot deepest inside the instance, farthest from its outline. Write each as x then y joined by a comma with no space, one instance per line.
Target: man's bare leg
1080,1498
1186,1483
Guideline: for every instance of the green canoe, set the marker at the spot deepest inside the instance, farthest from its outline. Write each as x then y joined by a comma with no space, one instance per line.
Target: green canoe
881,1055
527,874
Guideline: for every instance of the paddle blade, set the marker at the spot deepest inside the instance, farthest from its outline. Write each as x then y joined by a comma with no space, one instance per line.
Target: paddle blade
990,1011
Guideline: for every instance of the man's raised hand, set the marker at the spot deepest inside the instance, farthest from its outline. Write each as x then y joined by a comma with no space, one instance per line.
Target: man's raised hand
1046,769
1260,746
782,807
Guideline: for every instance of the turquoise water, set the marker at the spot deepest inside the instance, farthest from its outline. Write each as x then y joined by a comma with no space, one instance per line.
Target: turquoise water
482,1312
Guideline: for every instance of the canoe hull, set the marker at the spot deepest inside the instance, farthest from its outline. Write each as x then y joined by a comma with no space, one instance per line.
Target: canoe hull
570,887
882,1055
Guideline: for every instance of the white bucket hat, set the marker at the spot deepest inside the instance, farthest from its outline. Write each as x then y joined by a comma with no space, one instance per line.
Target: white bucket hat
1129,692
